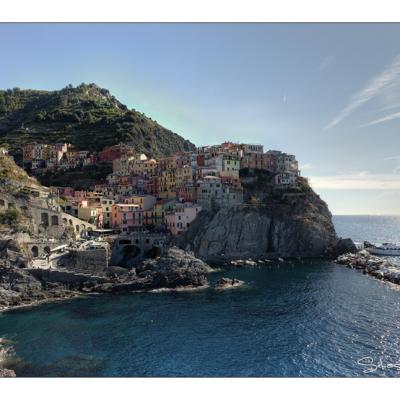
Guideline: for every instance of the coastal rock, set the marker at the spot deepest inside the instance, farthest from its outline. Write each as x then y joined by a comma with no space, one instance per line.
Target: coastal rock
11,252
18,286
228,283
378,267
260,233
176,268
344,246
7,373
272,223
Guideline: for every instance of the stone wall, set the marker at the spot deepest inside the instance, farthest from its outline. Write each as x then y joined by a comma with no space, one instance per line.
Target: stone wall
51,220
92,261
65,277
128,250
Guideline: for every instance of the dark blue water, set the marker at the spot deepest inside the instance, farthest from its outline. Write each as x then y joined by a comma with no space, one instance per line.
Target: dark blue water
292,319
374,228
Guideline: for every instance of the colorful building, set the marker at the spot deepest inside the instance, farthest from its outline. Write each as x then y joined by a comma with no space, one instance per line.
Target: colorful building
181,217
126,217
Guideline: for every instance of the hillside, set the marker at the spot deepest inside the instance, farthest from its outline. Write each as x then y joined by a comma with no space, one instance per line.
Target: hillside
13,183
87,116
11,173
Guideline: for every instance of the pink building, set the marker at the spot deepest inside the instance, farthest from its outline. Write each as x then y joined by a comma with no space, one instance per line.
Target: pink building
181,217
126,216
109,154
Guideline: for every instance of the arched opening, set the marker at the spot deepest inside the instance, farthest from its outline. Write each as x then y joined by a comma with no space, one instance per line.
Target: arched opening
64,221
77,228
34,251
54,220
46,249
70,222
130,251
44,217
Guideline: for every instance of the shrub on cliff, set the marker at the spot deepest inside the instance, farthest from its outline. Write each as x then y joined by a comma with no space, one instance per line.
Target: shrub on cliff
11,217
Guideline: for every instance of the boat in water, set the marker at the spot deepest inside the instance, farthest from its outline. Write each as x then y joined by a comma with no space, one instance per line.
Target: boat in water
385,249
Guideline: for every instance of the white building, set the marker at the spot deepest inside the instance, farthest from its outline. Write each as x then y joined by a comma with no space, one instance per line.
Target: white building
286,179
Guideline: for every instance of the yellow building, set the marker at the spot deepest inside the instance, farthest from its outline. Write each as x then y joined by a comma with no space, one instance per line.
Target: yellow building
183,175
167,163
106,205
143,167
168,184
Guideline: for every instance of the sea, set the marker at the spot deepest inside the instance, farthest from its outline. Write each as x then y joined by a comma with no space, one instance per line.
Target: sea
292,319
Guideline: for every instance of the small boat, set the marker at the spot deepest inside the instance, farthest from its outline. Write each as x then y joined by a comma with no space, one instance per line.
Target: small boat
385,249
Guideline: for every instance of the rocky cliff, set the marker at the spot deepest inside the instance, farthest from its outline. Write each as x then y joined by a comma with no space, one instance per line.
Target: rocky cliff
272,223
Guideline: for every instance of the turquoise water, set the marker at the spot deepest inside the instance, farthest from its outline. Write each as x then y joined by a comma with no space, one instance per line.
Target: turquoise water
292,319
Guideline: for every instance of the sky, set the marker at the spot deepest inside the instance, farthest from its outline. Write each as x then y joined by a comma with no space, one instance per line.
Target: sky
328,93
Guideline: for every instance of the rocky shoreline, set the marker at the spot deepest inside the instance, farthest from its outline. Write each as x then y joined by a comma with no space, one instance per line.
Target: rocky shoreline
174,270
378,267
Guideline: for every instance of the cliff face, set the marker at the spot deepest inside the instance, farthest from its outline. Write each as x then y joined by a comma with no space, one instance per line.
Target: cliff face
295,223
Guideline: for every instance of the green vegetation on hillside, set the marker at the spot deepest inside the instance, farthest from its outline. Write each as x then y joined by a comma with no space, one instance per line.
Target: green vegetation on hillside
82,178
11,218
87,116
10,171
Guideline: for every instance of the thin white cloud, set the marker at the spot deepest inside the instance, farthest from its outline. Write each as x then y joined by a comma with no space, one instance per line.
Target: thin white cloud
396,169
385,182
375,86
390,158
383,119
383,195
326,62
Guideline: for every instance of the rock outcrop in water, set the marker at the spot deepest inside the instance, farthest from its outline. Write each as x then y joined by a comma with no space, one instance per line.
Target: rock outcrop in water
377,267
228,283
290,223
175,269
18,286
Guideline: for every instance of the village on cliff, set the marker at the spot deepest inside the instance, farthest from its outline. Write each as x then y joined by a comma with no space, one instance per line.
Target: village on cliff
167,193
